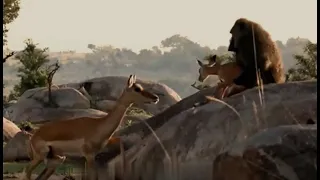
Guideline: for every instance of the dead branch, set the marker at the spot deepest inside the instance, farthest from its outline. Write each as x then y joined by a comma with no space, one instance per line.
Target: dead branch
8,56
52,69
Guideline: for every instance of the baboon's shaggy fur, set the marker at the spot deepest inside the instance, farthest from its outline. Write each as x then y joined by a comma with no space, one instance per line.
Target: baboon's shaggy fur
269,61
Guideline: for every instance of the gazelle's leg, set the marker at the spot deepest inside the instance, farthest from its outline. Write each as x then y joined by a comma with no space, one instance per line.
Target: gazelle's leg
26,175
91,172
219,90
52,164
235,89
38,157
224,92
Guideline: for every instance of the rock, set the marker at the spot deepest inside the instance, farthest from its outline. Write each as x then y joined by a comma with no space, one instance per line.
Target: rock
105,105
17,176
64,97
9,129
42,115
194,137
283,152
111,87
16,148
35,101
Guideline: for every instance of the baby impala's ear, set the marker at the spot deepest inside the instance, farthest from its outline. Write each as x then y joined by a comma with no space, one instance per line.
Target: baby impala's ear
199,62
213,59
131,80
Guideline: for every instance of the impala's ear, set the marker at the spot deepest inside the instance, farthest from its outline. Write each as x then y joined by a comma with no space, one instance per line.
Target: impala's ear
134,78
131,80
199,62
213,59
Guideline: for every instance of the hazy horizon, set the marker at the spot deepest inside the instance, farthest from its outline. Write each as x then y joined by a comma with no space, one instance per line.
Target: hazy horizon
73,24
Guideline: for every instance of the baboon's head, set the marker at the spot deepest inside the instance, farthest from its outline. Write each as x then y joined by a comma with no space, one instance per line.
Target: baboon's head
240,29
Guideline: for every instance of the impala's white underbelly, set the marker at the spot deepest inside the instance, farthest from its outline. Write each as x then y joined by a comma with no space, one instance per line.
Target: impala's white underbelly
67,148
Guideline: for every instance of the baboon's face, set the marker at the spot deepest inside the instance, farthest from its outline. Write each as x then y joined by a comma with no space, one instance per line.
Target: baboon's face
237,32
232,46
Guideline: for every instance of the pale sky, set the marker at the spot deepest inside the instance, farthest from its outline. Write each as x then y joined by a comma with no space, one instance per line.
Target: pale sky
136,24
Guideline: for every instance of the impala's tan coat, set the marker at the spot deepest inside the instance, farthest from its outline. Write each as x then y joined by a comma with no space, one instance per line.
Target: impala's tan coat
82,136
226,73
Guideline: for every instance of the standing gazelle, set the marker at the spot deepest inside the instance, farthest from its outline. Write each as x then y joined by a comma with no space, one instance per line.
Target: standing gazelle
226,73
84,136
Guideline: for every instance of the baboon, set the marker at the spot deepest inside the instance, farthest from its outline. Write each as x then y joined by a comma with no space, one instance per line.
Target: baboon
260,48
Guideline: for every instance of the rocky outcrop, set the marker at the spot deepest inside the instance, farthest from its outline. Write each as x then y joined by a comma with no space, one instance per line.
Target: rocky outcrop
191,139
9,129
194,137
41,115
35,101
110,88
16,148
81,99
283,152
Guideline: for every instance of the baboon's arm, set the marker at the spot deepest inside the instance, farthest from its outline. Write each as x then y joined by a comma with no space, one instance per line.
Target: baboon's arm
247,78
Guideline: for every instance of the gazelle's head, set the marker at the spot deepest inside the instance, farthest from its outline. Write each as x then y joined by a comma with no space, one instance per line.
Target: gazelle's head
211,68
135,93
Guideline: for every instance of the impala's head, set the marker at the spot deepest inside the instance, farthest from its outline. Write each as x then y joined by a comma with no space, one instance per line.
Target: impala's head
135,93
208,69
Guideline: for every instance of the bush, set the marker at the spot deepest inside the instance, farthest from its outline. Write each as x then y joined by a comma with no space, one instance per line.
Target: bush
26,126
306,66
32,73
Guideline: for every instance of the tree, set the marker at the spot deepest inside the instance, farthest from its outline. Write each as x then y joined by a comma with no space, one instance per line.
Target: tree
51,70
32,73
8,56
306,65
10,13
105,53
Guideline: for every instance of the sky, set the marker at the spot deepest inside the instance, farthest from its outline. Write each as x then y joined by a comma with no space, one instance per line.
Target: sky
65,25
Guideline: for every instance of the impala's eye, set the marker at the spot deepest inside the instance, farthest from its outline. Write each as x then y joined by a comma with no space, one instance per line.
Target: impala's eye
137,89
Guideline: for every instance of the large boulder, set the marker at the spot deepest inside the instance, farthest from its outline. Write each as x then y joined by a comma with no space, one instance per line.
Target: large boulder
110,88
9,129
42,115
34,103
283,152
16,148
193,138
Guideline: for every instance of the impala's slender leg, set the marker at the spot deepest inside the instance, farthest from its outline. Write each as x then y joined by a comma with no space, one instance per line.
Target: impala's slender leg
52,164
37,158
91,173
224,92
220,90
30,167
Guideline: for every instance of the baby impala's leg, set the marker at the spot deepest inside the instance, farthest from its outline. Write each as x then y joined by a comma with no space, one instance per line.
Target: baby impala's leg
219,92
224,92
